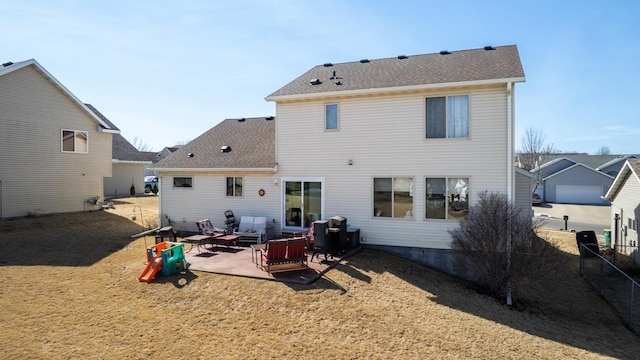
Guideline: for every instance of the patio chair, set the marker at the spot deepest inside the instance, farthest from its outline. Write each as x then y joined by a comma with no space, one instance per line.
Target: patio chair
254,227
230,221
205,227
216,235
274,254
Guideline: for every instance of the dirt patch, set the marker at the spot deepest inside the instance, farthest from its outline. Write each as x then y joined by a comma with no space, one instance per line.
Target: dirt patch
69,289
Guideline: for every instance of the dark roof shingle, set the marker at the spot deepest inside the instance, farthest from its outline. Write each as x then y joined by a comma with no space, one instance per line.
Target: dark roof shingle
499,63
252,144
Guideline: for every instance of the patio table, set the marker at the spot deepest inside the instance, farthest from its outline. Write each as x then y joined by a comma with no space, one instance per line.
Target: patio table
200,240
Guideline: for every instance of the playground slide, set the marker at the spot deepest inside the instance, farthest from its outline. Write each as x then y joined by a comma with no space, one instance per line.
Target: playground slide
150,271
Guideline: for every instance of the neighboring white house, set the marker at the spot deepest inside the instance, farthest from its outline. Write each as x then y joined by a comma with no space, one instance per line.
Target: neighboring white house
128,169
624,195
399,146
54,150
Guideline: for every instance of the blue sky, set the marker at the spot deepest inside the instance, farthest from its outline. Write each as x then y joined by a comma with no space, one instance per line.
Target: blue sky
166,71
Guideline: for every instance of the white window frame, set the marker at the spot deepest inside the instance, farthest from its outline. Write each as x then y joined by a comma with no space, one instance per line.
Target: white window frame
233,195
326,117
446,196
393,215
283,204
182,187
75,145
447,117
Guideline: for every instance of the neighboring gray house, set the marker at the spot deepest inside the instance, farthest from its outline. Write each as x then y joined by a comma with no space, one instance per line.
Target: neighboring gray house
624,195
155,156
578,178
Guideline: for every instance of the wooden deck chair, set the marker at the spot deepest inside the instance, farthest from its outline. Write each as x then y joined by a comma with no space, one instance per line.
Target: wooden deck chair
274,254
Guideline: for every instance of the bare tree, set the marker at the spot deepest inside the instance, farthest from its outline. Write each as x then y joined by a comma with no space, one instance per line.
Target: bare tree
604,151
534,152
140,145
501,247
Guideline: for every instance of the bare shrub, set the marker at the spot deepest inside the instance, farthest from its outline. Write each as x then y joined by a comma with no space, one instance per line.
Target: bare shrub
501,248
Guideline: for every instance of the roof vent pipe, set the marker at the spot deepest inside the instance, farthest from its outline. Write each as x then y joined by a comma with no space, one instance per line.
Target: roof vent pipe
444,52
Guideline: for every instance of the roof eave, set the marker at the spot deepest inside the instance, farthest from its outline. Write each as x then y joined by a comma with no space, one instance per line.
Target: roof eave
118,161
110,131
617,182
201,170
395,89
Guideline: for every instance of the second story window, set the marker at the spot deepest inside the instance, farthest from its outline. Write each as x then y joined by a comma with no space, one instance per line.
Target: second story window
448,117
75,141
331,117
234,186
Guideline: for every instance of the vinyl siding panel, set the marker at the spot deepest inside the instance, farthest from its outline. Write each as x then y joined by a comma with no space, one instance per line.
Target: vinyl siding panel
207,199
523,194
37,178
385,137
627,204
123,176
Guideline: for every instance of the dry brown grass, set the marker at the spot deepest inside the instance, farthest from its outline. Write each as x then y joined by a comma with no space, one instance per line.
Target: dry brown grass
69,290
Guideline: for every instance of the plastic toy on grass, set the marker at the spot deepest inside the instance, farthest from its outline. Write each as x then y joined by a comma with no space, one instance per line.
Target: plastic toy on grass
166,258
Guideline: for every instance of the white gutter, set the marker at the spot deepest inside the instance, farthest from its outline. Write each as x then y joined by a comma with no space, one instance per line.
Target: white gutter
395,89
116,161
510,149
111,131
199,170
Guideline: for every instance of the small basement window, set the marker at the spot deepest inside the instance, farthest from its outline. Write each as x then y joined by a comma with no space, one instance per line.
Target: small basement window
182,182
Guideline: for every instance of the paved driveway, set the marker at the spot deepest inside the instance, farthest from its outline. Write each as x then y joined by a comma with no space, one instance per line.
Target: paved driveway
581,217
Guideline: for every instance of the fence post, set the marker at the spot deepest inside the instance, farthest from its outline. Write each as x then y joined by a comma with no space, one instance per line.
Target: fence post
631,322
601,277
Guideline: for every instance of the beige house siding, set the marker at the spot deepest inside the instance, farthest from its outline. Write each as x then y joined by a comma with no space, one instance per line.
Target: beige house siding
124,174
626,203
207,199
385,137
36,176
523,194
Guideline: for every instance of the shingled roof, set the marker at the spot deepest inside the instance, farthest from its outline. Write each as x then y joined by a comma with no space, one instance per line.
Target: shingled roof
465,67
251,142
631,168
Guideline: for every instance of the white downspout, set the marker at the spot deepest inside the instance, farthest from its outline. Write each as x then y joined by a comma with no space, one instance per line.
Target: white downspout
510,176
510,150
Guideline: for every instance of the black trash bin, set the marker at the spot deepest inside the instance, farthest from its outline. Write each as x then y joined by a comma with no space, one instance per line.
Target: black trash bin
589,239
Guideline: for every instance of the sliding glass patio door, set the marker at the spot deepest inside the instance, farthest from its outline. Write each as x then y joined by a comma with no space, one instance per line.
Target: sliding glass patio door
303,202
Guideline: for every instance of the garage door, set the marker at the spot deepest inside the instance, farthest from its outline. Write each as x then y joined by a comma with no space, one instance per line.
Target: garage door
579,194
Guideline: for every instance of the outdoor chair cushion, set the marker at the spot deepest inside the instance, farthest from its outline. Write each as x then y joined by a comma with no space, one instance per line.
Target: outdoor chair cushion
205,227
